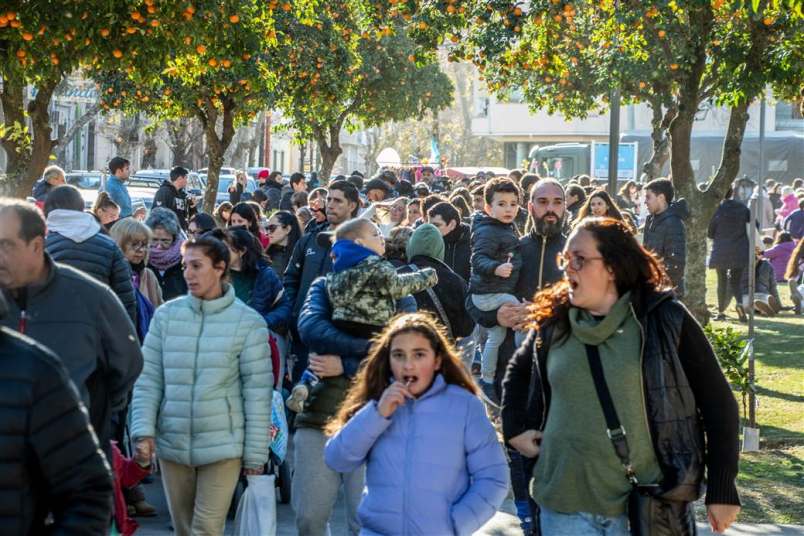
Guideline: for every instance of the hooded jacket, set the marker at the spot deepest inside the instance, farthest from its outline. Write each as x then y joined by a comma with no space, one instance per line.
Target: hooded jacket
74,238
51,458
493,243
206,389
458,250
170,197
434,466
97,341
666,235
729,235
686,395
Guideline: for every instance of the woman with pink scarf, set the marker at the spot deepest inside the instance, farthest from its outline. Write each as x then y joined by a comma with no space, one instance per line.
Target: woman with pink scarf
165,254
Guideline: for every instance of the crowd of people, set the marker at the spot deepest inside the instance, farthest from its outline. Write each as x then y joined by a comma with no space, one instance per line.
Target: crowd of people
406,318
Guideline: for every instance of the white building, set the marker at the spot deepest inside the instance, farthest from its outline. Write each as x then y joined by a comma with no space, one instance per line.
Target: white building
520,130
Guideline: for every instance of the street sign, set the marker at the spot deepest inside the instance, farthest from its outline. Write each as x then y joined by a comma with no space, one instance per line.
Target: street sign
626,163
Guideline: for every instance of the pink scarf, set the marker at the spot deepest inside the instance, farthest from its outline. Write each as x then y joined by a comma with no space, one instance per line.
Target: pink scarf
162,259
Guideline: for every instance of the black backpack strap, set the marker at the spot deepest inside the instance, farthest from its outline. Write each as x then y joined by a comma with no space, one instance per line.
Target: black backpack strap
615,429
438,305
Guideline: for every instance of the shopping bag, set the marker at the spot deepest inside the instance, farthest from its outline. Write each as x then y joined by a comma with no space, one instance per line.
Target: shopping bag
256,511
279,427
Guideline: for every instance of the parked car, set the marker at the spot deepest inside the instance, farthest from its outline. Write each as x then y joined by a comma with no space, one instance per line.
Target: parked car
88,182
224,181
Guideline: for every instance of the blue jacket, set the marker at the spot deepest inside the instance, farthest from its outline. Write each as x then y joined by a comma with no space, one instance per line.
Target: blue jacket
266,298
118,191
434,467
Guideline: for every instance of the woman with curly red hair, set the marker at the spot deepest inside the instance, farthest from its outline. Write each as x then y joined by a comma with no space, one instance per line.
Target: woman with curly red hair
614,322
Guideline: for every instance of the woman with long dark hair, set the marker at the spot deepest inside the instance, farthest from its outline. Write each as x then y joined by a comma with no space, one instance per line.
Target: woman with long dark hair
613,324
245,215
284,231
453,476
600,204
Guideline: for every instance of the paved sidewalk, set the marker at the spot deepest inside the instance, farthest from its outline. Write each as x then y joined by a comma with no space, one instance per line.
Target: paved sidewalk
505,523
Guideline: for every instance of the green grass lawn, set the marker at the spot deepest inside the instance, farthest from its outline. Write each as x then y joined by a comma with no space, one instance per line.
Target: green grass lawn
772,481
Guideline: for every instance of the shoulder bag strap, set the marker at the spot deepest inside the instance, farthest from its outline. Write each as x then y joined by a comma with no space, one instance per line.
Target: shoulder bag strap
438,305
615,430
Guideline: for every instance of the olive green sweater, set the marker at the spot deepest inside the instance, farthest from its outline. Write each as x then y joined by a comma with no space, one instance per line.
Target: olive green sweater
577,470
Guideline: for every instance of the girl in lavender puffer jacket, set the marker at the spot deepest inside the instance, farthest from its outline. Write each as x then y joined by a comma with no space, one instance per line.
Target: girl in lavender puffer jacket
433,461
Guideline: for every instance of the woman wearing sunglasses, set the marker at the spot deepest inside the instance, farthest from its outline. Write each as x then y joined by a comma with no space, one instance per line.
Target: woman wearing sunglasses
284,231
614,314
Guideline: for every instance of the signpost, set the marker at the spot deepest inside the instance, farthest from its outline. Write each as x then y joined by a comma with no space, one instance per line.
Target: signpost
626,161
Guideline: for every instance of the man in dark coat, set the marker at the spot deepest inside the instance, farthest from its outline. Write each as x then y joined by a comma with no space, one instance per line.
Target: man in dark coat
62,307
74,238
296,185
310,259
664,232
729,234
457,237
539,250
171,195
51,460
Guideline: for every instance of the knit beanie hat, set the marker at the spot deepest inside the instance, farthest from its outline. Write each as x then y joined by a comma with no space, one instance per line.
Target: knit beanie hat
426,240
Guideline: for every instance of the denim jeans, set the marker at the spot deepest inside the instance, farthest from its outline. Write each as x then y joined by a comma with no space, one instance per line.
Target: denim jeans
582,524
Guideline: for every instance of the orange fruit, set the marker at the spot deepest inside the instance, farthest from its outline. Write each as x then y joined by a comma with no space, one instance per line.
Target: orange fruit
286,6
226,63
21,53
517,11
105,32
213,62
190,9
661,34
201,49
117,53
155,23
673,66
642,85
27,36
234,19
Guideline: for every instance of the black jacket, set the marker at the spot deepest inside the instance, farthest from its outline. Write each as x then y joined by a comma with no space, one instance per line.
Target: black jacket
450,291
176,200
764,280
729,235
280,257
539,264
98,257
171,281
686,395
286,202
273,190
493,243
458,250
309,260
666,235
96,340
51,460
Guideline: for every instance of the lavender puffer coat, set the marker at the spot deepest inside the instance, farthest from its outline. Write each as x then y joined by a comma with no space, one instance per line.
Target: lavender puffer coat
434,467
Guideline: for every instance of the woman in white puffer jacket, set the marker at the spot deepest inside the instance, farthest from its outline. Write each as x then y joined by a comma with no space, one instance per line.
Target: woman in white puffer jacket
203,400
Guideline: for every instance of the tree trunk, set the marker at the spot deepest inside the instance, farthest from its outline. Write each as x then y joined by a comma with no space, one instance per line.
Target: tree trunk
329,149
42,146
660,123
216,146
15,141
62,143
179,139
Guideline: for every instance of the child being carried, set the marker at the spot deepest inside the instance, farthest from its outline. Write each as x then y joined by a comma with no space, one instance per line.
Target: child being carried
362,288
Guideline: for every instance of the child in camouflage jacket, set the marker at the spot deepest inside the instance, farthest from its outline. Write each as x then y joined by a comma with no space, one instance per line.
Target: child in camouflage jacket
362,288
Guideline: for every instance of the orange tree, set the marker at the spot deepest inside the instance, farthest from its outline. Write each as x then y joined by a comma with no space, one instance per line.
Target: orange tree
216,70
39,45
568,56
352,68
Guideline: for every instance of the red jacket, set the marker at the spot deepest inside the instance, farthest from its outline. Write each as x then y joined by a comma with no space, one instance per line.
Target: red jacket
127,473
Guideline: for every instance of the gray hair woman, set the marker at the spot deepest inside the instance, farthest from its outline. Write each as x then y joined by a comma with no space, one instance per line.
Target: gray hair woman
165,252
